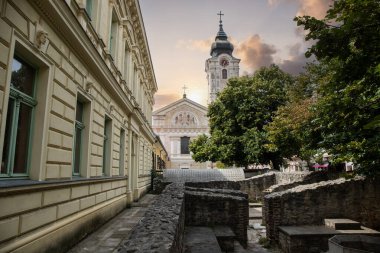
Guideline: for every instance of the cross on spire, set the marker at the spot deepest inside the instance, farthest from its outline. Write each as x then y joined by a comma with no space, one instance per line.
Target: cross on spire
184,91
220,14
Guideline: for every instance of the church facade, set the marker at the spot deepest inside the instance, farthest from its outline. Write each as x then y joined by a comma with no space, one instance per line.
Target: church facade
177,124
222,65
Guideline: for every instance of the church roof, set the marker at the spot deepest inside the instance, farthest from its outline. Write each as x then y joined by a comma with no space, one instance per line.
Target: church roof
177,103
221,44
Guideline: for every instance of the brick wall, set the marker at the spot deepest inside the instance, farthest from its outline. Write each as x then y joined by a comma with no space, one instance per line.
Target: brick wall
210,207
357,199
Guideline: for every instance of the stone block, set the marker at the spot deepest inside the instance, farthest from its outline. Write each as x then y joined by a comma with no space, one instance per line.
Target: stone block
67,68
87,202
67,141
9,228
4,54
54,54
110,194
95,188
342,224
61,124
57,107
225,237
97,161
106,186
52,171
58,155
2,77
96,139
201,240
54,139
56,196
27,10
18,20
5,31
71,86
60,78
19,203
69,113
38,218
79,191
64,95
68,208
65,171
101,197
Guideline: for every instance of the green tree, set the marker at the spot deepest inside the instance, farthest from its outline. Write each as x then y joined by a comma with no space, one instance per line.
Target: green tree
238,116
203,149
348,106
290,131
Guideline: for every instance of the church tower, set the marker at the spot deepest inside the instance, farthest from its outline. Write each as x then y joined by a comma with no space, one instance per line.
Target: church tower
222,65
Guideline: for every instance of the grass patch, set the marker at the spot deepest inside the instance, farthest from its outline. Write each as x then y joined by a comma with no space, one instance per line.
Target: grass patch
265,242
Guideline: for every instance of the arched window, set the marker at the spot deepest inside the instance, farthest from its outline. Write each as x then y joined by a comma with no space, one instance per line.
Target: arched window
224,73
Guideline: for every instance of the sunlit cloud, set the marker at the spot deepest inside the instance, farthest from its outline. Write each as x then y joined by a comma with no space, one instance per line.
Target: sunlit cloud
254,53
314,8
197,45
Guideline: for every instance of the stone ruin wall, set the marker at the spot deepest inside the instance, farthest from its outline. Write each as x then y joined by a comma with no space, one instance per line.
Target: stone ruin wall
212,207
357,199
162,228
256,187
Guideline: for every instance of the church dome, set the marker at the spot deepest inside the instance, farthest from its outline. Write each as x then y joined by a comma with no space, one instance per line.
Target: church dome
221,44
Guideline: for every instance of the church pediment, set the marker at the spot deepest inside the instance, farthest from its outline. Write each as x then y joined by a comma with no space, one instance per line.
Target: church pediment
183,104
183,113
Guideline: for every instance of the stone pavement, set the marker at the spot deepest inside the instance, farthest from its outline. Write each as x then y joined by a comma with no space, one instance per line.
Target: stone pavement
108,237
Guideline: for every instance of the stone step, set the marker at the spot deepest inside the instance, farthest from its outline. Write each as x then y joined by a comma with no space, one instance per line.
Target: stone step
225,237
255,213
200,240
255,204
342,224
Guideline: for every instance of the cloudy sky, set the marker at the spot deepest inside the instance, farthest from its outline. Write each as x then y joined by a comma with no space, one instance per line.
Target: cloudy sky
180,33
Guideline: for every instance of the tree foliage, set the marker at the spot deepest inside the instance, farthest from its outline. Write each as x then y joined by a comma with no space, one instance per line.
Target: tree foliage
348,106
238,116
334,106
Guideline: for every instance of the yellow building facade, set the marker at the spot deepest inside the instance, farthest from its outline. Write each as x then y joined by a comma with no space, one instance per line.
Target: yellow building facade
76,97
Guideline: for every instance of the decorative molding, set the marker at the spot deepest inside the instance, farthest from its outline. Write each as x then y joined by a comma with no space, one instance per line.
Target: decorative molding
41,40
88,87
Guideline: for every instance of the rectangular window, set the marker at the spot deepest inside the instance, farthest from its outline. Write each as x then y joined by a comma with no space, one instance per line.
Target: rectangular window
122,152
107,145
126,64
185,145
21,104
89,4
113,34
224,74
78,138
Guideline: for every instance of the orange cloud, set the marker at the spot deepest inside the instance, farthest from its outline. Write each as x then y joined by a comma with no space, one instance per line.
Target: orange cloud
254,53
200,45
314,8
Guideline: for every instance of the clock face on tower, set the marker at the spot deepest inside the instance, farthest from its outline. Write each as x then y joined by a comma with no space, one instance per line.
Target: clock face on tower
224,62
